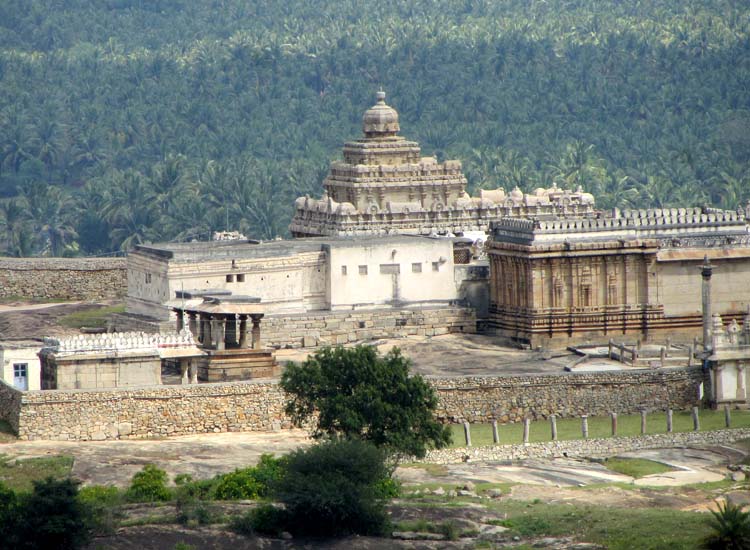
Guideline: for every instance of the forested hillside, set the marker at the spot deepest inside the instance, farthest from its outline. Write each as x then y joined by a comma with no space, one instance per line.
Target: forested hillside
123,121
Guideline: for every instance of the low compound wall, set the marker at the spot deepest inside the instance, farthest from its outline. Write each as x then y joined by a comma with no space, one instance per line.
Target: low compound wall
154,411
258,405
331,328
512,398
63,278
603,447
10,405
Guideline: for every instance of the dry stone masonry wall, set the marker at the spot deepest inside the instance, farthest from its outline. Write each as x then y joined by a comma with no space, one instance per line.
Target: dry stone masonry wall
63,278
152,412
512,398
10,405
329,328
259,405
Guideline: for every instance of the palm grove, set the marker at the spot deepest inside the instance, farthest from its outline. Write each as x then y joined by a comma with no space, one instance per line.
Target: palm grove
125,121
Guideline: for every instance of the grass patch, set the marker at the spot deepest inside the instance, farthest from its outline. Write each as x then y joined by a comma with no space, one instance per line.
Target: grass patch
437,470
6,433
20,474
614,528
636,467
599,427
94,317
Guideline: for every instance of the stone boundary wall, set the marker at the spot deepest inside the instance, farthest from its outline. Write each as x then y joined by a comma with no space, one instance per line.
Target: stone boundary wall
258,405
603,447
331,328
512,398
63,278
154,411
10,405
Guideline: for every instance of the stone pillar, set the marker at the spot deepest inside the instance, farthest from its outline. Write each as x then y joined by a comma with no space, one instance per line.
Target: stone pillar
719,383
184,367
256,330
243,331
221,333
706,271
201,328
741,390
193,372
192,325
180,320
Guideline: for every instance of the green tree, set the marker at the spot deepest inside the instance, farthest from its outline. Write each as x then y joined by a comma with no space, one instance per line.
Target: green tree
333,489
53,517
358,393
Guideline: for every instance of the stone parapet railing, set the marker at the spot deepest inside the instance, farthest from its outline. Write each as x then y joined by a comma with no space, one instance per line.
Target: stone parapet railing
599,447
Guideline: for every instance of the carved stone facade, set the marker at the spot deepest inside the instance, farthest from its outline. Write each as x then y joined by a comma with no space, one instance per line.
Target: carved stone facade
635,272
385,186
730,361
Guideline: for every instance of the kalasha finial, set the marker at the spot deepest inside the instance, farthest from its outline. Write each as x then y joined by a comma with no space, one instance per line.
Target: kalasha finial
380,96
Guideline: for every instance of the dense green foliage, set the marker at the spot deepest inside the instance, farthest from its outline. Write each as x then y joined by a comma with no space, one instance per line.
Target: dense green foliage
50,517
358,393
123,121
149,485
332,488
251,483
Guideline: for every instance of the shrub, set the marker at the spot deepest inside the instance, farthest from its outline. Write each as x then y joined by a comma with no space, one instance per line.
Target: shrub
53,516
731,527
102,502
251,483
331,489
195,513
149,485
240,484
265,520
9,517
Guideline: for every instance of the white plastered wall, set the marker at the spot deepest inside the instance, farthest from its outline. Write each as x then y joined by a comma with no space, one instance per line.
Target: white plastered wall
9,357
431,283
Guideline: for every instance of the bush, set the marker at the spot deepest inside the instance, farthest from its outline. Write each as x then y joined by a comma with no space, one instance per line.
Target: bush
102,502
265,520
332,489
731,527
251,483
149,485
9,517
53,516
240,484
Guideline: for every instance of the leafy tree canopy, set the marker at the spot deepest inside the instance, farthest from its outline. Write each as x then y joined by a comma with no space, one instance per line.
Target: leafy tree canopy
357,393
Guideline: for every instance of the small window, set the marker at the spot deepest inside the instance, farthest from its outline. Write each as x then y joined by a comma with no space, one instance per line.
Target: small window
343,270
241,278
148,278
20,370
230,278
436,266
390,269
416,268
363,270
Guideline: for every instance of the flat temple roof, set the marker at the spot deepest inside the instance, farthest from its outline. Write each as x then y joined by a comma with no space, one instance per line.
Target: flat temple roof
207,250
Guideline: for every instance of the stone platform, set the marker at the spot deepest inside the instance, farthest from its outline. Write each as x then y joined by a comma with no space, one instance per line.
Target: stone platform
237,364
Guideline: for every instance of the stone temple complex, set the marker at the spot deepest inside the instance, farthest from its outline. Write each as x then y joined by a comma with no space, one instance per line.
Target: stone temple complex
385,186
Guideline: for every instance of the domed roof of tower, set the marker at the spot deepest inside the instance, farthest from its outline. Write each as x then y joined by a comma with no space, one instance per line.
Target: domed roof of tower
380,120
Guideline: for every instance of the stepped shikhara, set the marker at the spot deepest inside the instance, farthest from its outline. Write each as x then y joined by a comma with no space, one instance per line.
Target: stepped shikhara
384,186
